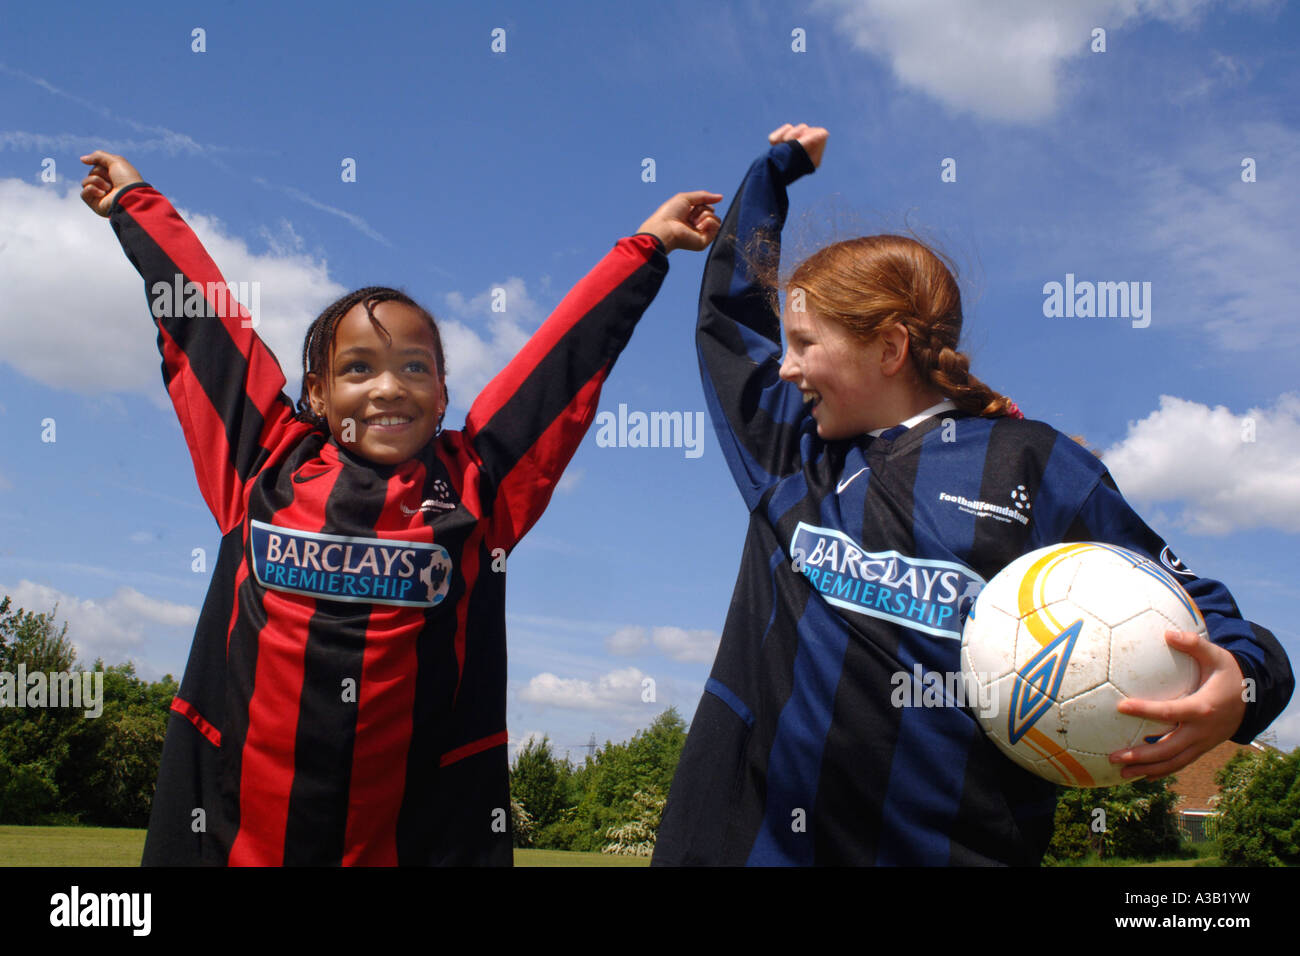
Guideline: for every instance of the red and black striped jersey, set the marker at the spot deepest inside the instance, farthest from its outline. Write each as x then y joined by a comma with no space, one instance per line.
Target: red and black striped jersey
345,696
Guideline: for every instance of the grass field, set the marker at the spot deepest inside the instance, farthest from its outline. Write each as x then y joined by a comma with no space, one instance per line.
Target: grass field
97,846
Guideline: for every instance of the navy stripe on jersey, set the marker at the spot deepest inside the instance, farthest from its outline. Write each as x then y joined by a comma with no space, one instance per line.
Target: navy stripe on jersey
830,769
757,416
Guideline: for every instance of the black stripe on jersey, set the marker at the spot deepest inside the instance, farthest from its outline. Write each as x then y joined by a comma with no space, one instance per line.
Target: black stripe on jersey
992,784
1012,449
335,651
420,832
754,419
848,811
775,661
218,365
195,767
577,357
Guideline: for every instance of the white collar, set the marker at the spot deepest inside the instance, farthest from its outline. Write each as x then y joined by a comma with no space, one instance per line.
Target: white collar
945,406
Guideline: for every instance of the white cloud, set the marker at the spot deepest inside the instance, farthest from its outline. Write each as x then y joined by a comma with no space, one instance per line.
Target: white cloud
1000,59
77,317
518,743
111,629
1222,472
675,642
627,640
610,692
1229,245
478,342
569,480
683,645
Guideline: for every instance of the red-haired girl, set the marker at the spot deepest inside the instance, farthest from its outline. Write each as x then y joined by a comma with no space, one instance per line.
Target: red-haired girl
885,486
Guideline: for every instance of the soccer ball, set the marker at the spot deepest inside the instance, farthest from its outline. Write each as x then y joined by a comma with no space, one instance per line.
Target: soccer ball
1057,639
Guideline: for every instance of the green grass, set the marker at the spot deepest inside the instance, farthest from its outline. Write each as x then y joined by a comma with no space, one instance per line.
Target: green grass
569,858
70,846
100,846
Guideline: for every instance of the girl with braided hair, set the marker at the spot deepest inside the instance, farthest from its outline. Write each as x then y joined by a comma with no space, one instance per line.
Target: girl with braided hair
886,485
345,697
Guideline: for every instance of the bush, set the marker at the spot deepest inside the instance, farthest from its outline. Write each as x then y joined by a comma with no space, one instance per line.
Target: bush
1259,806
1137,820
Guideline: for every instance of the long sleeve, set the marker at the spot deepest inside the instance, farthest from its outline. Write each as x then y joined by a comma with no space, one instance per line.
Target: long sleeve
226,386
1106,516
527,423
757,416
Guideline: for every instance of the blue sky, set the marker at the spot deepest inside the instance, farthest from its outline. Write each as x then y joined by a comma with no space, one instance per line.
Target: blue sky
518,169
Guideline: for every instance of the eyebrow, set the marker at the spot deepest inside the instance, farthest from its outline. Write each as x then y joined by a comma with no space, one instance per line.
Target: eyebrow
366,350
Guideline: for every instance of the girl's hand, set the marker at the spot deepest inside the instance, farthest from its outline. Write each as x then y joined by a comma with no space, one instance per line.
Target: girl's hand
811,138
108,175
687,221
1206,717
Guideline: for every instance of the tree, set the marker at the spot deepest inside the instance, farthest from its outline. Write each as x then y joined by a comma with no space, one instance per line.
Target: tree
1134,819
56,765
32,640
540,782
1259,807
636,837
606,786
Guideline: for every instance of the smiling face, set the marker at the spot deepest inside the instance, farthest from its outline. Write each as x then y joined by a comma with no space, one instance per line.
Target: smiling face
839,374
386,396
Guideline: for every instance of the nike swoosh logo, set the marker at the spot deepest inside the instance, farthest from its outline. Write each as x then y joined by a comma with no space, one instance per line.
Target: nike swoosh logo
300,480
839,489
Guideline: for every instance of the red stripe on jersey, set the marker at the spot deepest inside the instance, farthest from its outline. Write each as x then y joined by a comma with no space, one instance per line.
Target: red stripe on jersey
205,434
463,469
385,705
267,760
186,710
477,747
626,258
204,427
520,499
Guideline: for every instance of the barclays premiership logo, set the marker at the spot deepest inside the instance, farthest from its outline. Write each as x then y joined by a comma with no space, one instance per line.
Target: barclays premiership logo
340,568
928,596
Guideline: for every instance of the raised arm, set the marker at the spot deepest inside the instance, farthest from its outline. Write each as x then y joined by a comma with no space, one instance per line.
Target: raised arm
757,416
225,385
527,423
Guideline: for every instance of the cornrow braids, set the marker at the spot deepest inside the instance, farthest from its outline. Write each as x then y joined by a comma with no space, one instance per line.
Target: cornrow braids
318,341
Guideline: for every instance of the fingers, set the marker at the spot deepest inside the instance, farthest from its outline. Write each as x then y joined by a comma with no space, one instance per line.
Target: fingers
100,158
1206,653
1154,767
785,132
697,196
1179,710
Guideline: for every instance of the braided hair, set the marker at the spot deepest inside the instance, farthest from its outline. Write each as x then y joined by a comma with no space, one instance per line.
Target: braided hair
870,283
316,345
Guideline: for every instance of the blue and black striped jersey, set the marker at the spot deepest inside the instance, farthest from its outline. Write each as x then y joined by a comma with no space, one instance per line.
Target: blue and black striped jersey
861,559
345,696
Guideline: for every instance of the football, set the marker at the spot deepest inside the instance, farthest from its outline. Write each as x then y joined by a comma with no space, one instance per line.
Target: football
1059,637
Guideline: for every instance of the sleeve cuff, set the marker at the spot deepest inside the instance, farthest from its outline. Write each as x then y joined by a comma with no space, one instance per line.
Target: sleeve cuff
659,243
1247,732
126,189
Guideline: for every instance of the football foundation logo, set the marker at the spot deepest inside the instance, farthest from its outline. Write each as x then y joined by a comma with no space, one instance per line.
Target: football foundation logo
341,568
